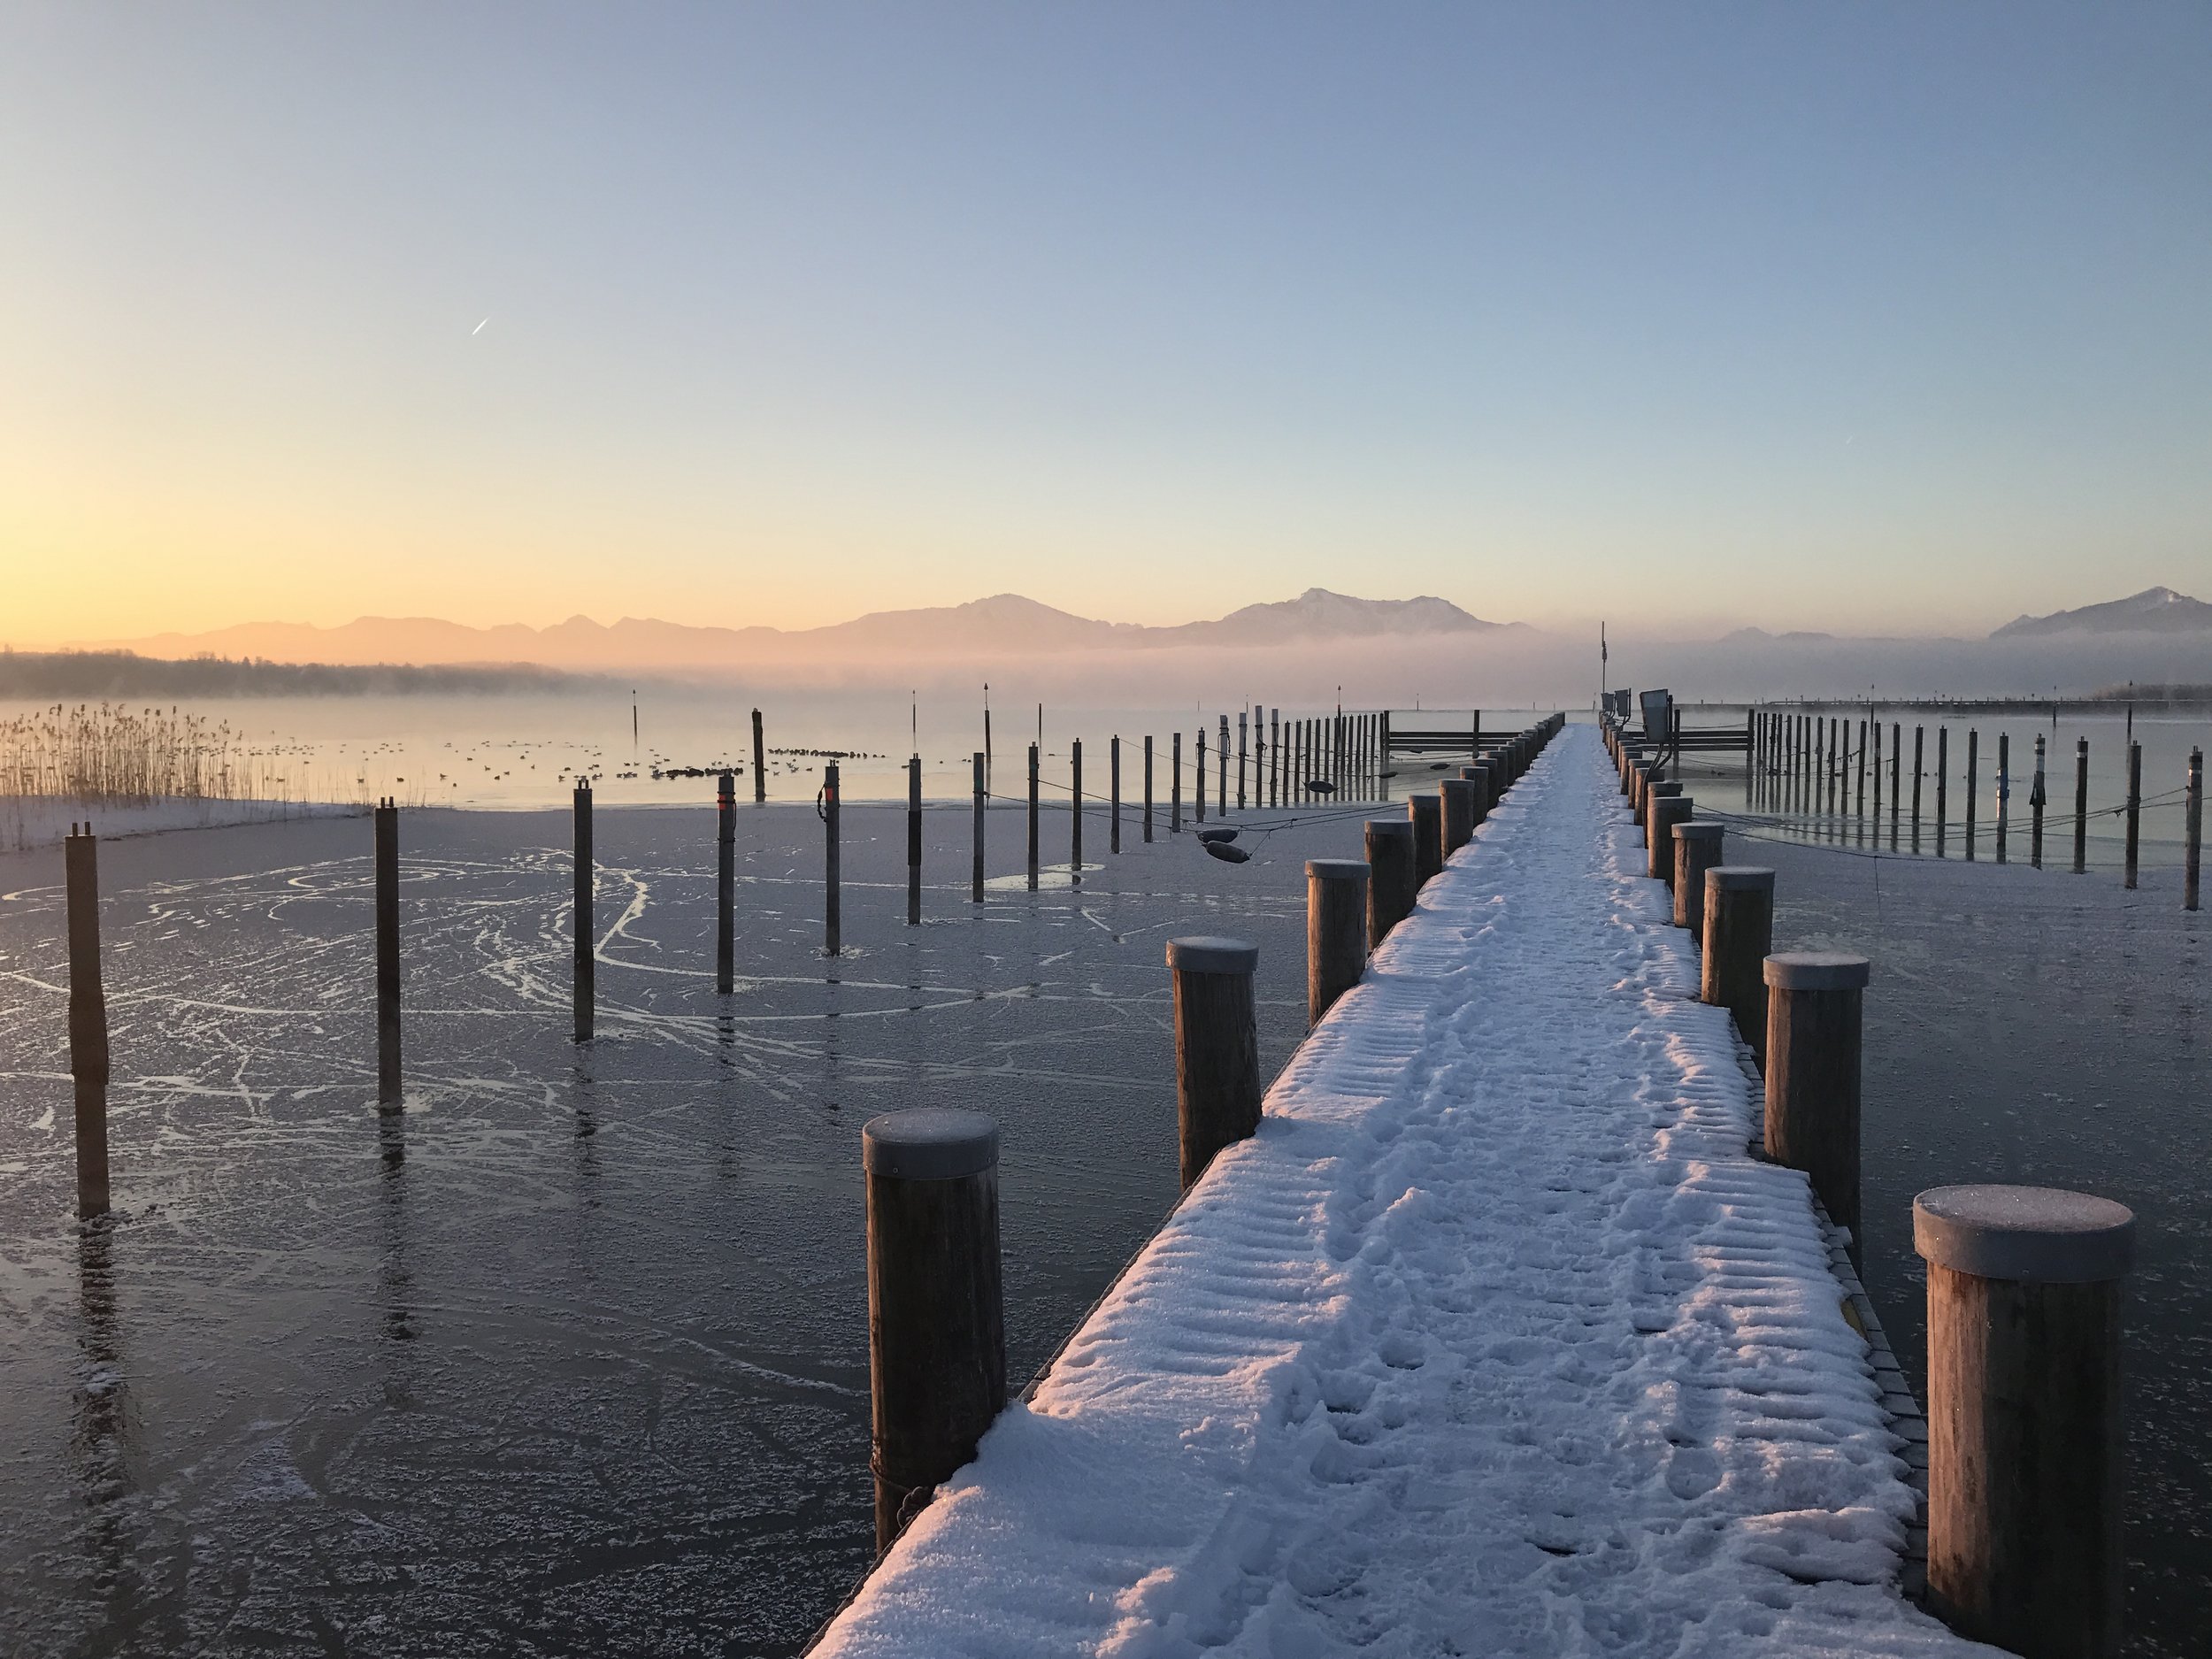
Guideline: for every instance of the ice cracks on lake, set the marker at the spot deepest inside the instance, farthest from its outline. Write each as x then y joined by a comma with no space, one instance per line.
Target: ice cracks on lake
1494,1340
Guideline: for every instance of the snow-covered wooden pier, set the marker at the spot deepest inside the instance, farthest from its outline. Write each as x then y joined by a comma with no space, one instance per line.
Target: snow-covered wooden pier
1494,1339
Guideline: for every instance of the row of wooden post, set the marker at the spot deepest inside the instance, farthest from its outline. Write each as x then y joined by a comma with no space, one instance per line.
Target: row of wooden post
2025,1538
1805,760
936,1321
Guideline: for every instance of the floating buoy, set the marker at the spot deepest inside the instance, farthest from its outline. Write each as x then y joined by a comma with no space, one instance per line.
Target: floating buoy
1227,853
1216,835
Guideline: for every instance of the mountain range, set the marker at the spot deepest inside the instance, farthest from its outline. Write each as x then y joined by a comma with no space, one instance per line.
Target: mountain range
1005,624
2153,610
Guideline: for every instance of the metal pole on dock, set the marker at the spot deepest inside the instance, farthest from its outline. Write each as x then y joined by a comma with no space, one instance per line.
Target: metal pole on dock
1812,1074
1425,812
1391,888
388,1089
1032,818
760,762
2192,829
1697,848
725,883
88,1019
2135,810
1336,931
914,840
584,991
1737,935
2081,806
2025,1457
936,1308
833,866
975,883
1217,1048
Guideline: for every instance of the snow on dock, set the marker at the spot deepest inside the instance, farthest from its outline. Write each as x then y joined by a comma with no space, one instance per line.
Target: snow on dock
1494,1340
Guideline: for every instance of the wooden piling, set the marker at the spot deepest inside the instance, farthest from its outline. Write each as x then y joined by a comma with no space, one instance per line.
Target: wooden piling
1667,811
389,1091
1943,786
1457,795
1240,760
1918,732
2035,809
1032,818
2025,1455
1217,1048
584,990
833,866
1391,888
1201,796
1336,931
1737,936
2081,807
725,883
1697,848
936,1311
914,841
760,762
1657,790
2134,809
2192,829
1175,787
1812,1074
1425,812
1973,759
982,799
2004,790
88,1019
1896,790
1075,812
1113,791
1147,788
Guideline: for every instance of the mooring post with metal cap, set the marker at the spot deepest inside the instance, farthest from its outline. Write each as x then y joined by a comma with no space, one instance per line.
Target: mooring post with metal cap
914,840
1457,796
975,881
1391,889
760,762
833,866
583,995
1737,939
1336,931
1032,818
1812,1074
1697,848
2134,809
1425,812
1667,811
87,1018
936,1311
2025,1548
2192,829
1217,1048
387,861
725,883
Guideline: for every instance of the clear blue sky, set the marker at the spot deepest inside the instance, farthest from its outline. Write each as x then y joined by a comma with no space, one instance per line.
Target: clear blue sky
1810,316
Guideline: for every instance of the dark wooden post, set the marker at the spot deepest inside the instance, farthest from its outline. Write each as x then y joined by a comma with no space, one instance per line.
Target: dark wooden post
2035,809
1148,787
1878,782
1973,757
2025,1463
1240,759
1697,848
1217,1047
2192,829
1336,931
2081,806
387,1054
936,1311
725,883
1032,818
1199,797
975,883
1458,798
1812,1073
1667,811
1425,812
2135,809
2004,790
1896,788
88,1019
1943,787
1391,888
1918,734
1222,780
914,840
1113,791
1859,806
1075,812
584,992
832,864
1737,934
1175,786
1657,790
760,762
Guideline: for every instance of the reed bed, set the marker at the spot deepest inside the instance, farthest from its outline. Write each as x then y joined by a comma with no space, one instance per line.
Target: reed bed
107,755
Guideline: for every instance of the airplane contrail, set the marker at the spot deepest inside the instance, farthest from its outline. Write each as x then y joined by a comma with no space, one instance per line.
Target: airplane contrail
477,329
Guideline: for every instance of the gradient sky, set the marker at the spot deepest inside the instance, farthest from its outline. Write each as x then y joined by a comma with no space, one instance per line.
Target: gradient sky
1839,317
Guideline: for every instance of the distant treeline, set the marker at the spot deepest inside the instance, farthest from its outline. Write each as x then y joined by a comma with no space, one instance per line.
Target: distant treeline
70,674
2153,693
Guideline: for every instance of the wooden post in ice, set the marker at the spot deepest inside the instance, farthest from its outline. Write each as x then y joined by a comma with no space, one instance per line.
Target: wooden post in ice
975,881
1812,1074
1201,796
1217,1047
1918,734
1973,759
583,995
1697,848
1075,812
2135,809
914,840
1242,752
2004,790
387,861
88,1019
1391,888
1737,936
1175,786
936,1311
2025,1545
833,866
2081,806
1458,797
1032,818
1113,791
1943,786
2192,829
1667,811
1426,813
760,762
1148,787
1336,931
725,883
1222,783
